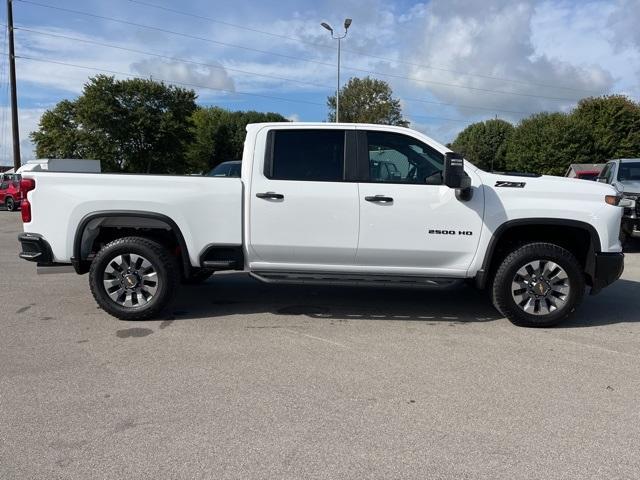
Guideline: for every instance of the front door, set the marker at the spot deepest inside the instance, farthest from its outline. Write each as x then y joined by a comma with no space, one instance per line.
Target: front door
303,214
409,220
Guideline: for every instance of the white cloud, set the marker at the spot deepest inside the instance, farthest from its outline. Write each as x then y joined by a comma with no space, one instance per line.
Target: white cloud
623,23
28,121
212,77
589,46
494,39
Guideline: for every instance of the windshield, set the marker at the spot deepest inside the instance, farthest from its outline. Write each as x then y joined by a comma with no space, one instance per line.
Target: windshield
629,171
226,169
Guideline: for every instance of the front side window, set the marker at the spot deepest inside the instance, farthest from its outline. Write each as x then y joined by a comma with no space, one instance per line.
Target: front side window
397,158
308,155
629,172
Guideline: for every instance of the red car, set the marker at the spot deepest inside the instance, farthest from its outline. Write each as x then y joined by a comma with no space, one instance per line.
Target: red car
10,194
588,174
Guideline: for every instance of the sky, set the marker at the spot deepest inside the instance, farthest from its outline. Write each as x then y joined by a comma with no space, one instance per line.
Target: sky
451,62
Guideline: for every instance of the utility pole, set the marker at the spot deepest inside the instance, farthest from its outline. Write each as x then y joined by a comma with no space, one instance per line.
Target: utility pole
347,24
14,92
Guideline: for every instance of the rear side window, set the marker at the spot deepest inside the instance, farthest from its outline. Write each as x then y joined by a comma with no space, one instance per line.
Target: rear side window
4,186
307,155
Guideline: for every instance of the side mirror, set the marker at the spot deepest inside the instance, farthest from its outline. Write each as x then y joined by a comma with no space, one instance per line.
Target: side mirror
454,176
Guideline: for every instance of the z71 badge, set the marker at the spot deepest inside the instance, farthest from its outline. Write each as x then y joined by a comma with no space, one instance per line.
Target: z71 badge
502,183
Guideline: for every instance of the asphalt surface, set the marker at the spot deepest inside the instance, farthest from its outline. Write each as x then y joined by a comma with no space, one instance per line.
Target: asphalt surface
243,380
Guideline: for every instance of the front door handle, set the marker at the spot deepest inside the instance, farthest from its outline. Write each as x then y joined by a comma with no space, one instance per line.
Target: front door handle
379,199
270,196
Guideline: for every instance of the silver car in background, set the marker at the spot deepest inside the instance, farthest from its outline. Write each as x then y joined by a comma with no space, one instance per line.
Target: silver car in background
624,175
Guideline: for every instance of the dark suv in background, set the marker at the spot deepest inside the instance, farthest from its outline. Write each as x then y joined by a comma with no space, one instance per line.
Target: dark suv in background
226,169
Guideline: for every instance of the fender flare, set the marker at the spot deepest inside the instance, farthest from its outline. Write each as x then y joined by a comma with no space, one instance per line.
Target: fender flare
80,264
594,247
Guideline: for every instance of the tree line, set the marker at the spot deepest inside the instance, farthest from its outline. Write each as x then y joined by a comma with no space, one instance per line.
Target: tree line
144,126
598,129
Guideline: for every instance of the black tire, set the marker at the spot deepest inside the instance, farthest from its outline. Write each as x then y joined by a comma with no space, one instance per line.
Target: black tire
504,296
197,277
10,204
164,264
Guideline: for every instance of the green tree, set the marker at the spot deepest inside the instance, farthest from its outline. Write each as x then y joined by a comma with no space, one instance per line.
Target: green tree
367,100
129,125
219,135
545,143
599,128
613,123
484,143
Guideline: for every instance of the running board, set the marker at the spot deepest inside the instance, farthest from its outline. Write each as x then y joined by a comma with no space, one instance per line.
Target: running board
351,279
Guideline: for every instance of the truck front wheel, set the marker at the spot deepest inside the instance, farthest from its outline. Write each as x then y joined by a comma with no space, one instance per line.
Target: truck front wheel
133,278
538,285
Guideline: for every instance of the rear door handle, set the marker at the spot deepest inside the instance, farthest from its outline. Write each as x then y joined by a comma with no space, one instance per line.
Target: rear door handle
379,199
270,195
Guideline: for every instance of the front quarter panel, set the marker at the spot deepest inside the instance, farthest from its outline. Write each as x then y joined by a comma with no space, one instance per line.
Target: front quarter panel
510,198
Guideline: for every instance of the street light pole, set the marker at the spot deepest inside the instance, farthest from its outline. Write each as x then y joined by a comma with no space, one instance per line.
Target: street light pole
347,24
14,92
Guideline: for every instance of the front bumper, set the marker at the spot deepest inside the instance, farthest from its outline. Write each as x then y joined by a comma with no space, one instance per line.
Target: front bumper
35,249
608,269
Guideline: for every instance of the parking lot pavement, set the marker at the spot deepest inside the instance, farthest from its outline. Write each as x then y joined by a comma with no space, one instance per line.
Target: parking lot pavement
245,380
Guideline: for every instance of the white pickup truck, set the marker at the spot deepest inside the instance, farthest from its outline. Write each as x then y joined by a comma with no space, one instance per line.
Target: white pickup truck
345,204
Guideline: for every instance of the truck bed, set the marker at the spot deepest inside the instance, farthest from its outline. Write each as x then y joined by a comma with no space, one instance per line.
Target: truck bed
208,210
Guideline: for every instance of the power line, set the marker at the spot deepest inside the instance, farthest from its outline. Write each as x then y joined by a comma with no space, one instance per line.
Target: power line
429,117
168,57
222,67
470,107
290,57
229,24
357,52
175,82
187,84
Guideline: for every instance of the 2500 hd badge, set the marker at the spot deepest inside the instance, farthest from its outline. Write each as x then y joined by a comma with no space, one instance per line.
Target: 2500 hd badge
467,233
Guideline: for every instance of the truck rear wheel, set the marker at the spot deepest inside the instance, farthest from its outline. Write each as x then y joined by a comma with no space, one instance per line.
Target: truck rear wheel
133,278
538,285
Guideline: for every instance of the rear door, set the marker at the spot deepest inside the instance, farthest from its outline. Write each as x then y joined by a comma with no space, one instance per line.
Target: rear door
303,212
409,220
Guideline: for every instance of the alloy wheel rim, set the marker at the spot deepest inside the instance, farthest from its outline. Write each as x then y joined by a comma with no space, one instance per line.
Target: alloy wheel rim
540,287
130,280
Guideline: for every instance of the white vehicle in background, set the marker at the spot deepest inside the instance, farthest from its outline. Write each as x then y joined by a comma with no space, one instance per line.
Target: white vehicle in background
61,165
624,175
313,205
